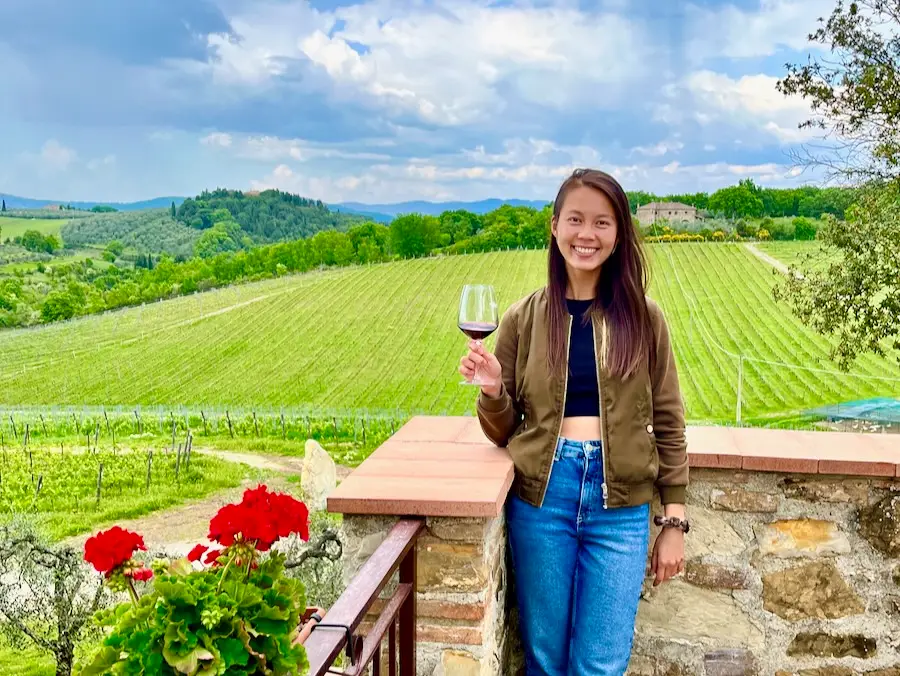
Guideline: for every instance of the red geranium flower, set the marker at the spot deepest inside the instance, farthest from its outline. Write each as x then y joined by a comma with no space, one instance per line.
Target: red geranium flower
212,556
196,552
142,574
261,517
109,549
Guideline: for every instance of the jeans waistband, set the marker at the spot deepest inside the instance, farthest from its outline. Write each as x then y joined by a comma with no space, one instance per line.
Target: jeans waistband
572,448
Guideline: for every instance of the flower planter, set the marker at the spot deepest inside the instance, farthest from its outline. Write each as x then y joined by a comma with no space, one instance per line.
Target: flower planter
237,612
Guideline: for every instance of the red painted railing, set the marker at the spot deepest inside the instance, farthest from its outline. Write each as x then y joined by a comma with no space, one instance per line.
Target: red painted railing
338,630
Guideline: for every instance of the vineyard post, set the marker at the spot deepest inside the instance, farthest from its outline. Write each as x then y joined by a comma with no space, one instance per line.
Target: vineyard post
108,431
15,431
173,434
205,428
740,387
99,482
283,433
334,423
230,429
138,418
77,426
40,485
364,431
149,464
43,425
255,424
178,462
96,436
31,467
27,435
114,439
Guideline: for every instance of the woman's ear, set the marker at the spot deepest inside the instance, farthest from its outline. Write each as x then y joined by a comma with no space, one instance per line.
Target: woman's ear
553,222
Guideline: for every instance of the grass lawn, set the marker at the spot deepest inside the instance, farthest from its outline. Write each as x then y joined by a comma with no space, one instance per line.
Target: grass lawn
14,227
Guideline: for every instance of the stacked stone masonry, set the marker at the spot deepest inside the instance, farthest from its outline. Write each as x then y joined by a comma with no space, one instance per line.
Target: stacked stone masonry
461,578
786,574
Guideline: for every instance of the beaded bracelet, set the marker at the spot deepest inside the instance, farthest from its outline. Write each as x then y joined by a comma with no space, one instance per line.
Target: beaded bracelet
672,522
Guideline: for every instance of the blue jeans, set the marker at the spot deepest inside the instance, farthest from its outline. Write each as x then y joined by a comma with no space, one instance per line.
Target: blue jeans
579,568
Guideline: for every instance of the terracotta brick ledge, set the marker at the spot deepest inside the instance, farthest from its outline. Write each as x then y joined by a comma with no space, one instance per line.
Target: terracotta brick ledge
445,466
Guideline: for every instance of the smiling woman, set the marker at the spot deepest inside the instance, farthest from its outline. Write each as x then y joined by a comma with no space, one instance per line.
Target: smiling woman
589,406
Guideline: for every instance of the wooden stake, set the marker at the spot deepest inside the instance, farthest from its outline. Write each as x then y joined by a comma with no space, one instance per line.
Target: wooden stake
99,482
149,465
230,429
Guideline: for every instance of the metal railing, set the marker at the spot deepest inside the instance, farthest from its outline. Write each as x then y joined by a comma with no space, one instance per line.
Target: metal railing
338,629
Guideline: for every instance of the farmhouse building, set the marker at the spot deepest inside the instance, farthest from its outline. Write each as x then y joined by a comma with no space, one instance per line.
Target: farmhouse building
666,211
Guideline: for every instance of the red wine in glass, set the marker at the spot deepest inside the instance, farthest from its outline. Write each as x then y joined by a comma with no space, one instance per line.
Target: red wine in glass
478,319
477,330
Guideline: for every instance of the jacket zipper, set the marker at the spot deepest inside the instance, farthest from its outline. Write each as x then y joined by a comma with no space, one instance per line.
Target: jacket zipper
603,445
562,415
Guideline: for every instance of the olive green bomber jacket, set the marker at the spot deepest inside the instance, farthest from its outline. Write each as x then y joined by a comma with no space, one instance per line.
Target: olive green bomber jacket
642,417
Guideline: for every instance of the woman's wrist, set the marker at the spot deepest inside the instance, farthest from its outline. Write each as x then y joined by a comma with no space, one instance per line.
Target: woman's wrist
491,391
674,509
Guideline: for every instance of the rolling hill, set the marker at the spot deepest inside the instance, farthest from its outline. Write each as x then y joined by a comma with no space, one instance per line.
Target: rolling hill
384,337
16,202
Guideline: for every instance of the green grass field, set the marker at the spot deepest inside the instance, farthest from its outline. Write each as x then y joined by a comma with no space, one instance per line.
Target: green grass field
385,338
14,227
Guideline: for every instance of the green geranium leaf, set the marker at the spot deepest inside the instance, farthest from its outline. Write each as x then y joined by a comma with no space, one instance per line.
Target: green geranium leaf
186,664
176,592
232,651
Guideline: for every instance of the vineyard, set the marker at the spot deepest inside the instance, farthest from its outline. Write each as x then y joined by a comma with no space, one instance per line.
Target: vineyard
381,341
72,488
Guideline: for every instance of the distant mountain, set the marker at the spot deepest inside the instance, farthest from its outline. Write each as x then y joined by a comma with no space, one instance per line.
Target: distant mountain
383,213
388,211
15,202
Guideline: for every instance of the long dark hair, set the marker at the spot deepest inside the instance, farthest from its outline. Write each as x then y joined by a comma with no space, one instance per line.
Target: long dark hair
621,288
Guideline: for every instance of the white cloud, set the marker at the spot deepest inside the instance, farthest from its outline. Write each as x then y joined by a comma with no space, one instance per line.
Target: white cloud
751,101
217,138
101,162
732,32
448,65
709,147
56,157
659,149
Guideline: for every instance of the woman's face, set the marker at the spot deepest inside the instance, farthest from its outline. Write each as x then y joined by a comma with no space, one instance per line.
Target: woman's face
586,229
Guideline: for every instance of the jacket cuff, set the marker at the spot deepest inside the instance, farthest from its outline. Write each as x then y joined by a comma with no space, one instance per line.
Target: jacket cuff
672,495
497,405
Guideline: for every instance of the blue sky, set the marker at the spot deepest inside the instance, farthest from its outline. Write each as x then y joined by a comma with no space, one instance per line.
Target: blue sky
390,100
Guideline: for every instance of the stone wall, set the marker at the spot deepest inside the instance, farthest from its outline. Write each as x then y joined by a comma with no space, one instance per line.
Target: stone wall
786,575
461,576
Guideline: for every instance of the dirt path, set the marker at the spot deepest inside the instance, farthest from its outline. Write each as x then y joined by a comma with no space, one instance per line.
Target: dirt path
177,529
766,258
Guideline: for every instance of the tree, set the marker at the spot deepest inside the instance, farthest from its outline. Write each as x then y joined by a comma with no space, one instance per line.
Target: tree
740,201
854,91
857,296
4,206
414,235
174,211
55,612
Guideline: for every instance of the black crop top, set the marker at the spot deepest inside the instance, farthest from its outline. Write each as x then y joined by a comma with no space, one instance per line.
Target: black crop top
582,392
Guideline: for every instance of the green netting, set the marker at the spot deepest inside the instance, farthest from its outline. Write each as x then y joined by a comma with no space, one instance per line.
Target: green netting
881,410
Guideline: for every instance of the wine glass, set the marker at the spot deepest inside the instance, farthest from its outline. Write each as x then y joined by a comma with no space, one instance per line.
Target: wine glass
478,320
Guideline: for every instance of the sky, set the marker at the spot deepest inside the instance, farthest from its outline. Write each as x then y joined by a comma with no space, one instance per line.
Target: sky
390,100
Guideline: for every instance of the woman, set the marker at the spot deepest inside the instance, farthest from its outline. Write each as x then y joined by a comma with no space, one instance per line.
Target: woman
586,398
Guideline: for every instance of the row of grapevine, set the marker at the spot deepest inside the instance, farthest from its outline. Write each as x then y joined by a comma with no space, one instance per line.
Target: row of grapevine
384,338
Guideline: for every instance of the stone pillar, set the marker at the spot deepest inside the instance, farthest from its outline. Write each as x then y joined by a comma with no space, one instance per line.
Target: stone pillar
445,472
462,580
